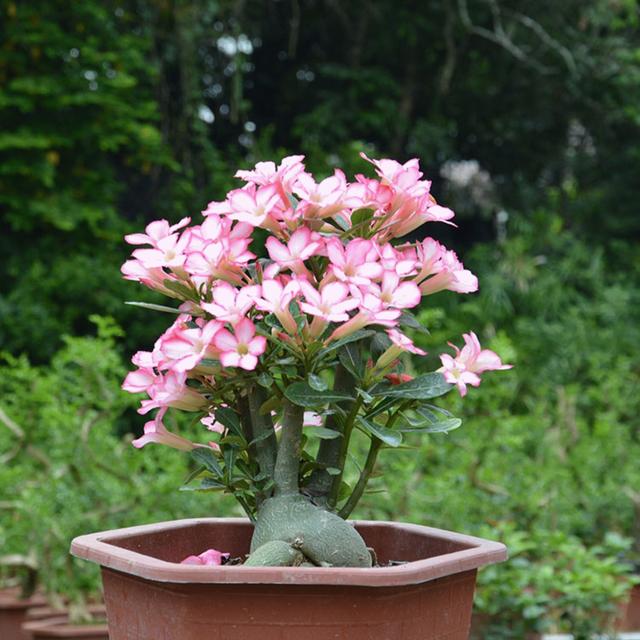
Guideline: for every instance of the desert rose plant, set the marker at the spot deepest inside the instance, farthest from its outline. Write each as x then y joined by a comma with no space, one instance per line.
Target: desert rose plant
282,357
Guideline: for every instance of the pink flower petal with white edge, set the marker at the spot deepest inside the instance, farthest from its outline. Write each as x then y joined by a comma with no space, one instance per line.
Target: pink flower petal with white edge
257,346
244,330
225,341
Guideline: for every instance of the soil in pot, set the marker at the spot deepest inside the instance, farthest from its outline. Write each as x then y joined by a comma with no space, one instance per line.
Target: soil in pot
149,595
13,612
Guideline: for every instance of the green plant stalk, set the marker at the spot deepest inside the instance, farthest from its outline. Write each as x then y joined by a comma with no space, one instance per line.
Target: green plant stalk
262,428
367,470
328,455
365,474
287,467
344,448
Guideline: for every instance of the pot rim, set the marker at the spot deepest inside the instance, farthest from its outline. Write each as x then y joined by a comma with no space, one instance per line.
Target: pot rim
96,547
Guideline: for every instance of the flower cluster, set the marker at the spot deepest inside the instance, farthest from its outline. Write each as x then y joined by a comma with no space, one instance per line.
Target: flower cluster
329,269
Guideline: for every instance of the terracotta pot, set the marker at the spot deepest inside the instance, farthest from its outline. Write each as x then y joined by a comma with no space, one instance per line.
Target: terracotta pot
149,596
59,628
13,612
629,619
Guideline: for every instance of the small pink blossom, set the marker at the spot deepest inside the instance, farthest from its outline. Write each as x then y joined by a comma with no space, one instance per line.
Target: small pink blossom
171,390
209,558
390,293
156,231
399,344
356,263
155,431
302,244
275,299
440,269
285,174
230,304
243,348
323,199
330,304
168,252
469,362
254,205
182,348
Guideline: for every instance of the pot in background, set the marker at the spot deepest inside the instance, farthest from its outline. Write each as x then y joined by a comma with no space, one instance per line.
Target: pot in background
629,619
13,612
426,594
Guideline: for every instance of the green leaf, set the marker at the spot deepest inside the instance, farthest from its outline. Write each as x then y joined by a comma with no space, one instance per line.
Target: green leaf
379,344
360,217
229,418
154,307
352,337
407,319
442,426
322,432
180,289
303,395
230,454
316,382
194,474
207,459
333,471
389,437
429,385
366,397
350,359
265,380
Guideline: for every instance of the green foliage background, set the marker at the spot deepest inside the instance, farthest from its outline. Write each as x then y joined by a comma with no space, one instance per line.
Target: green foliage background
116,113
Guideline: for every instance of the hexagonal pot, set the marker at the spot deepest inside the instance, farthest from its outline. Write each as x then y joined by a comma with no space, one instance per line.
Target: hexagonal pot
149,595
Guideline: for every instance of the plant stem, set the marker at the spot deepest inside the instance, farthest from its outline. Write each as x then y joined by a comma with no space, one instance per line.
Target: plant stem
263,432
329,451
369,465
287,466
344,448
365,474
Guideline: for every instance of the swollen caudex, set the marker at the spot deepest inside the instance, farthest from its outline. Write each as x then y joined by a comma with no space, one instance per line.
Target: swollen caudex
322,537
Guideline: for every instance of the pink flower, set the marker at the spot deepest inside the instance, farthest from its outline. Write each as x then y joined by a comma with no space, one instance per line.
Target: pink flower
230,304
276,298
266,172
320,200
155,431
243,348
391,292
150,277
171,390
357,263
399,344
183,348
156,231
468,363
168,252
254,205
302,244
330,304
140,380
210,558
440,269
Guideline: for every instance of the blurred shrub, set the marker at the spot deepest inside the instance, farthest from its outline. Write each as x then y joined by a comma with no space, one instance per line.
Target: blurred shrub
551,581
67,467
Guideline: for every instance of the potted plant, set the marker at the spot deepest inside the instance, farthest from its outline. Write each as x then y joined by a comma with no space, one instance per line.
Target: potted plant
288,350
